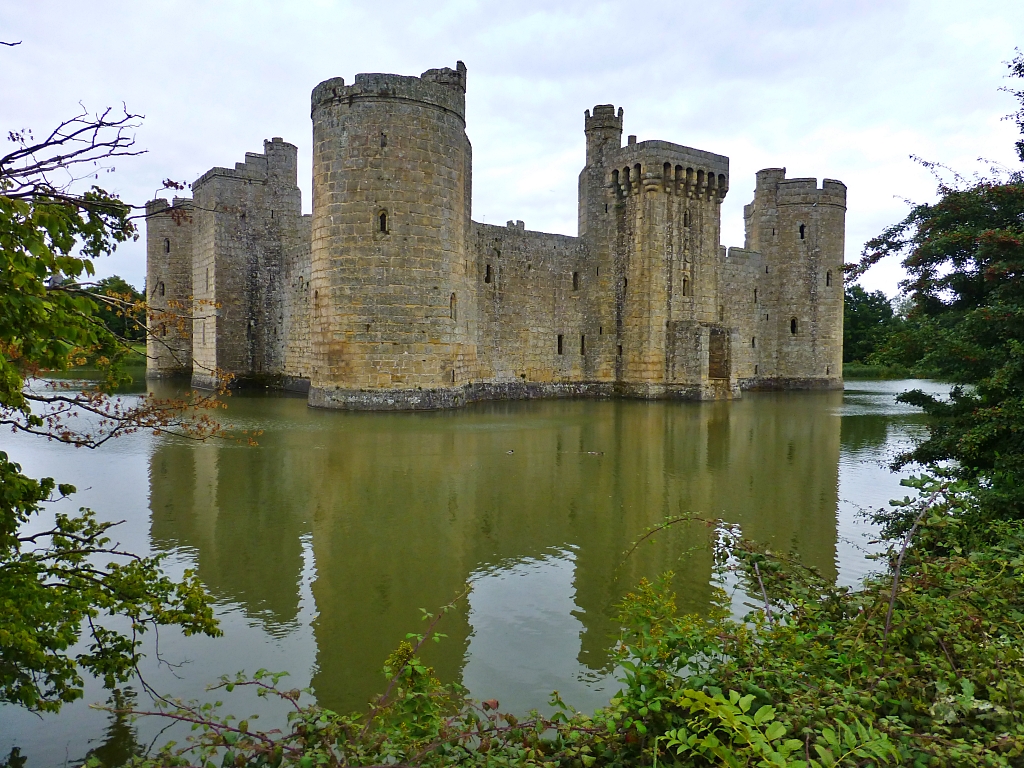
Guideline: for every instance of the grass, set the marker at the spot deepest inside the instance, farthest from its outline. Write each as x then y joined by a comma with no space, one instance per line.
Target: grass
857,370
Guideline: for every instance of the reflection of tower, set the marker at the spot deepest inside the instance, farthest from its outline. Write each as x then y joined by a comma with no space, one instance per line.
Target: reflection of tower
241,511
391,206
404,509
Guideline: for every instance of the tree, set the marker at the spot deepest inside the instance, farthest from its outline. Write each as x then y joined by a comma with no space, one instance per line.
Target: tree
867,321
122,308
965,259
59,585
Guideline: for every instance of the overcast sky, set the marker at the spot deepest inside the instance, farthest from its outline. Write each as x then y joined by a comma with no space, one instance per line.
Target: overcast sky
827,89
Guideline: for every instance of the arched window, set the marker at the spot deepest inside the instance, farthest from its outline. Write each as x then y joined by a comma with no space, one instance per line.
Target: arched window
792,326
487,274
167,245
686,287
452,309
575,281
828,279
801,231
382,219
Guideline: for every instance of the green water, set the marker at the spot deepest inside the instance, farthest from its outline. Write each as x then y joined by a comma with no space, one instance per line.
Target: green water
322,544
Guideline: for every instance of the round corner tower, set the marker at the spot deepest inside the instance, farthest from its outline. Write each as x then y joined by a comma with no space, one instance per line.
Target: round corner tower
392,311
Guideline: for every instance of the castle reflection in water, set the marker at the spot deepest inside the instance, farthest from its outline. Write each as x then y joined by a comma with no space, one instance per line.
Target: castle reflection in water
402,509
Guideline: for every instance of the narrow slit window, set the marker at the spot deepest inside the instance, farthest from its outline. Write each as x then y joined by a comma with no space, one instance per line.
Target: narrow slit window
753,342
801,231
792,326
828,279
620,350
600,331
755,295
583,345
686,218
167,245
382,220
575,281
559,343
487,274
755,370
453,310
161,289
384,143
686,287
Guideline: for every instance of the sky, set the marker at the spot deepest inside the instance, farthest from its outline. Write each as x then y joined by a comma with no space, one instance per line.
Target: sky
843,90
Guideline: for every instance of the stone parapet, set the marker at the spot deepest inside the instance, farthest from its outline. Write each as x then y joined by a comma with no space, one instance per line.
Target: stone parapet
442,88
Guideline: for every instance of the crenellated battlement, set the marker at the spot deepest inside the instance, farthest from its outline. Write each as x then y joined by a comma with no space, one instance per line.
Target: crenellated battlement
807,192
663,166
278,162
444,88
804,191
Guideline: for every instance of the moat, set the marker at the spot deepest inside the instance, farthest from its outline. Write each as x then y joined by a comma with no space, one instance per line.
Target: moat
323,543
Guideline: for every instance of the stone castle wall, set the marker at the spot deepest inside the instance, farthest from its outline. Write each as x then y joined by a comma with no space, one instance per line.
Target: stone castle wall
389,296
169,287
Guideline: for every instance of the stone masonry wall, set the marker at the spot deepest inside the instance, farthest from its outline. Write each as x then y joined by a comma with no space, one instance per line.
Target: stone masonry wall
394,302
533,306
247,221
169,287
297,309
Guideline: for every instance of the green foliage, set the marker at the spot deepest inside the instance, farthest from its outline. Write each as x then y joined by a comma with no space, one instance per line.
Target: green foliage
48,593
122,309
46,320
920,666
867,321
965,257
63,587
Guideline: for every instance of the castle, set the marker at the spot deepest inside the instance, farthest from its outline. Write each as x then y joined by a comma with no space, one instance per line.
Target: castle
389,296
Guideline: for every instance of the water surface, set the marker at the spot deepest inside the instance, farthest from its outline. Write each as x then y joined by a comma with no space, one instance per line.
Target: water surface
322,544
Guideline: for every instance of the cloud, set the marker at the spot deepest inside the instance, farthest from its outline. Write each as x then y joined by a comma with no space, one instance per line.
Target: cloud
839,90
